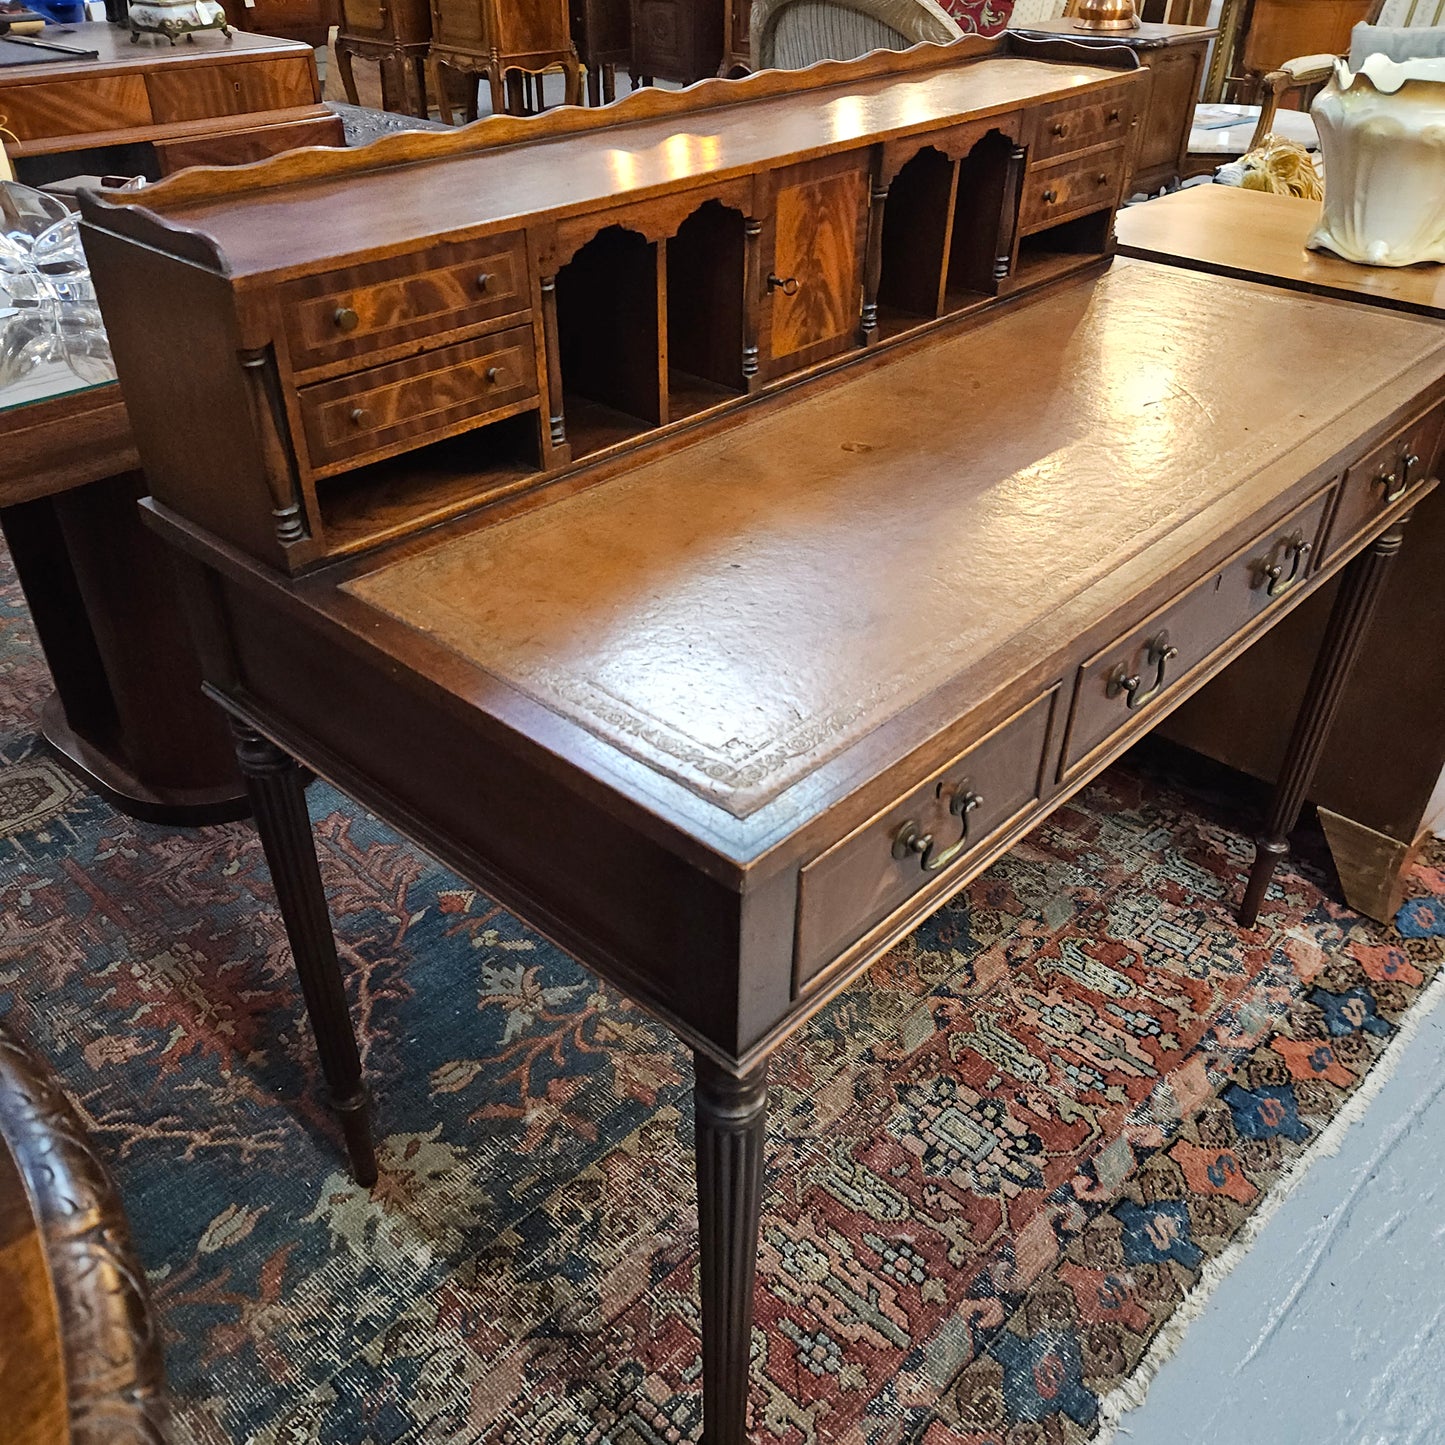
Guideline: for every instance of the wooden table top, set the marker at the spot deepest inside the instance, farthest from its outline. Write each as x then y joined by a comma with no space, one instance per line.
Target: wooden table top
1147,35
116,52
774,611
1256,235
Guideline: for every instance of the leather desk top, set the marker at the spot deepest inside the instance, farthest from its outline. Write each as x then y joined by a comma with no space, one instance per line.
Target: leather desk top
739,613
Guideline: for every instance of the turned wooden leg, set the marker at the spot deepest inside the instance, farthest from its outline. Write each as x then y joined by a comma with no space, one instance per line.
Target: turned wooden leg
731,1123
279,801
348,78
439,84
1340,646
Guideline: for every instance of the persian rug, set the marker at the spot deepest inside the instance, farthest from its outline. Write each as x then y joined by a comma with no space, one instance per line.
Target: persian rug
997,1167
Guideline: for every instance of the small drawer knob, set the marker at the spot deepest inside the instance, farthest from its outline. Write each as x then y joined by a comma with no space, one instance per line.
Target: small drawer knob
360,416
1050,195
484,280
1059,128
1102,178
345,318
494,374
1114,117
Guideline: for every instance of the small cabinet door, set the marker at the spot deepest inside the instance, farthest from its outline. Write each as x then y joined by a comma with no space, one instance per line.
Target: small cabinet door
813,272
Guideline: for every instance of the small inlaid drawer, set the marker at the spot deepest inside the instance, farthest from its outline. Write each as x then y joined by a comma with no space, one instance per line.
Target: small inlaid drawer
392,408
1074,126
926,837
1384,477
362,309
1070,188
1138,675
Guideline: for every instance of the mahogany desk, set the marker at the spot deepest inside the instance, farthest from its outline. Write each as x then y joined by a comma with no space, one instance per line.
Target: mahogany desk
751,685
1376,804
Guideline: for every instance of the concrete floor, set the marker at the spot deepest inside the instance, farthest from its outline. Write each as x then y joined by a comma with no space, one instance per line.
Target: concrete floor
1331,1330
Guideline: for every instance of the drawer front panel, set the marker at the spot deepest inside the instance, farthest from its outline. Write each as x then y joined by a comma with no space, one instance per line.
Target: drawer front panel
415,400
200,92
929,834
1124,682
1385,476
345,314
1071,188
104,102
1068,127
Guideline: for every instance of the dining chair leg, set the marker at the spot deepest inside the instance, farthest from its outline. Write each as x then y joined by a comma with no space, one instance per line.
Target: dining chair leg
731,1123
1340,647
278,799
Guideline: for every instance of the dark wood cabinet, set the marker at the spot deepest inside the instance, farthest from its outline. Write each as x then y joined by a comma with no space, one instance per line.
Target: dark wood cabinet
737,38
395,34
502,41
1174,56
602,33
678,40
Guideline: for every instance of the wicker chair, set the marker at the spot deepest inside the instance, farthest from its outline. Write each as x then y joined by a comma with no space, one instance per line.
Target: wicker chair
789,34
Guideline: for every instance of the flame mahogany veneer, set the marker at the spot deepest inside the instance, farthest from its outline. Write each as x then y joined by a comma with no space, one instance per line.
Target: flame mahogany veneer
721,525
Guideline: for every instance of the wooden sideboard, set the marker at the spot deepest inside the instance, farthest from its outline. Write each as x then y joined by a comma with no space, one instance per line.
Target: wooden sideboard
721,525
150,107
1174,56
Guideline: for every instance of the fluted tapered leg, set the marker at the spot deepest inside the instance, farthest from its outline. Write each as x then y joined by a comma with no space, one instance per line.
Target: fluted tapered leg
278,800
731,1124
1344,637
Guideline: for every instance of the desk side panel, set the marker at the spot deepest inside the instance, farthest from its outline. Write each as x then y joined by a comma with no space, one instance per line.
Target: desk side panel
627,908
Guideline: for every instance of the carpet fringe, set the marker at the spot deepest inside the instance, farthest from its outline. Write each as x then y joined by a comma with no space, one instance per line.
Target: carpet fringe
1132,1392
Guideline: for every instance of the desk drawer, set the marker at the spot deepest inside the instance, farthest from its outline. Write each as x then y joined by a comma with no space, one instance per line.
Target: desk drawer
927,835
201,92
364,309
1076,125
392,407
1070,188
1383,477
1127,679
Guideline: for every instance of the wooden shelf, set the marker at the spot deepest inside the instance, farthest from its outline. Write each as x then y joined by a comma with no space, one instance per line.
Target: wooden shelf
687,394
388,498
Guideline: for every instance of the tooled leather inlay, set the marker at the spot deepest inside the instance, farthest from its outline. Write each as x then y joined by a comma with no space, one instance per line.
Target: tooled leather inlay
738,613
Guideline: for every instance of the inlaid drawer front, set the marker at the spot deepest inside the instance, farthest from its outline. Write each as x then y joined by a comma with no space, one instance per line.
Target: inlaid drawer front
105,102
201,91
925,836
1132,677
1070,188
1070,126
384,303
413,401
1383,477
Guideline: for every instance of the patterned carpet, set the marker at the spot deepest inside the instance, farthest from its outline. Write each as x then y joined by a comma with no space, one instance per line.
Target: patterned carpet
995,1167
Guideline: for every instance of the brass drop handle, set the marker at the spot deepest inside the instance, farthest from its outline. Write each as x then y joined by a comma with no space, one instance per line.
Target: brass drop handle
788,285
484,280
345,318
360,416
494,374
1059,128
962,800
1160,654
1396,483
1050,196
1271,574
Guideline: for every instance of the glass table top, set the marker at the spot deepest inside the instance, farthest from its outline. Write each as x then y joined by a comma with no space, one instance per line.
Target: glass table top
45,356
